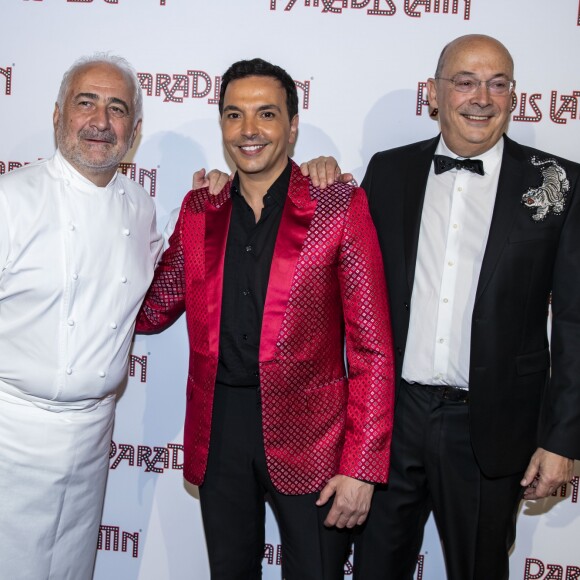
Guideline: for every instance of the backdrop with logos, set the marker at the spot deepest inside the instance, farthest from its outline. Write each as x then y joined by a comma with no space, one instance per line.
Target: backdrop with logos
360,67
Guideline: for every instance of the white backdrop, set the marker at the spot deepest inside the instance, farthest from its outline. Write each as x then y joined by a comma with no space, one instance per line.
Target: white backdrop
359,65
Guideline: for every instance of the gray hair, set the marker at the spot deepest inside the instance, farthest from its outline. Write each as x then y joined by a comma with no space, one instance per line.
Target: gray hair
118,62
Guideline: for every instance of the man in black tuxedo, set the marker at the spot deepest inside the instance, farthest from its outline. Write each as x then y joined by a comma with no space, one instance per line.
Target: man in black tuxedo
486,413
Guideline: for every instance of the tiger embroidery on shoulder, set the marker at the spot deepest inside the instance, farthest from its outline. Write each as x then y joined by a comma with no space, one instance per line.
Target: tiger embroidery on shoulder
551,194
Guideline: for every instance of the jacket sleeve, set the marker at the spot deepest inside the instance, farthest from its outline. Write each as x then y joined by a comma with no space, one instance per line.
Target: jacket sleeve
4,231
560,432
369,351
165,300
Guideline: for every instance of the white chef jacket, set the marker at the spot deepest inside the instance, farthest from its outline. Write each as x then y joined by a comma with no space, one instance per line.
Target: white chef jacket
75,263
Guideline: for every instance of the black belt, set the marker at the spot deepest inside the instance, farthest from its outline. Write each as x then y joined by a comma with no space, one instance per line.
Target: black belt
454,394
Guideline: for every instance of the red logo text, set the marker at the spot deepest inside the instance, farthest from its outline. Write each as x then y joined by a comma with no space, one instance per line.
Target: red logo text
528,107
109,537
6,77
150,459
537,570
412,8
195,84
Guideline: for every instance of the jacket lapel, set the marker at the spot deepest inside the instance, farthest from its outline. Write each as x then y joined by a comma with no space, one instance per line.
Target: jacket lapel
416,180
510,188
217,222
296,217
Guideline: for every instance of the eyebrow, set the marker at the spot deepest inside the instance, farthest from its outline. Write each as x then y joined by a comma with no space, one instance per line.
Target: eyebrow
472,74
96,97
260,108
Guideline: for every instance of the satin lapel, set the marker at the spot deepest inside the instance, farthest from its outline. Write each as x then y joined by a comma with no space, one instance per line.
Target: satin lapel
416,183
296,217
507,202
217,223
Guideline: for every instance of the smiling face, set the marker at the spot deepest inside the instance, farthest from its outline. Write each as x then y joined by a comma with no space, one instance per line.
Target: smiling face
96,126
256,128
472,123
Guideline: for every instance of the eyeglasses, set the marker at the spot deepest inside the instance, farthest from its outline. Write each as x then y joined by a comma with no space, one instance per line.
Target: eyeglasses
465,84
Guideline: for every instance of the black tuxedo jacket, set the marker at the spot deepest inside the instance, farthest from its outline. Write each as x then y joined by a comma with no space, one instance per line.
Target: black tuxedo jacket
522,394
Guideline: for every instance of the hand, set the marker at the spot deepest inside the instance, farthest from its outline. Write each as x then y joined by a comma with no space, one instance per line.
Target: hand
546,472
352,500
324,171
215,180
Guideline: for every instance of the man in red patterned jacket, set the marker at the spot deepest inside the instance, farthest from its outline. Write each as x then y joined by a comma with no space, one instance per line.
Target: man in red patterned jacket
275,276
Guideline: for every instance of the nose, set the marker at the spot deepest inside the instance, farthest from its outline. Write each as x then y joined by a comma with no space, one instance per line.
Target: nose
249,127
100,118
482,95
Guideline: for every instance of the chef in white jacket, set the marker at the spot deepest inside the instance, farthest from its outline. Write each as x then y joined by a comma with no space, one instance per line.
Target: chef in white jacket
78,246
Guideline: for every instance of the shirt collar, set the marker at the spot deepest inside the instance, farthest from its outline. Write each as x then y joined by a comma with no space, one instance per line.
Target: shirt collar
277,192
491,158
69,172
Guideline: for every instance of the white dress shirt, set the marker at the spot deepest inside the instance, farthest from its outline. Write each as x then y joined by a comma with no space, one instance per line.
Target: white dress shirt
453,235
75,263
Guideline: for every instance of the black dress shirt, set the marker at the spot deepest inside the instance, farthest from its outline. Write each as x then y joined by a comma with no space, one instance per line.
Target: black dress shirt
248,258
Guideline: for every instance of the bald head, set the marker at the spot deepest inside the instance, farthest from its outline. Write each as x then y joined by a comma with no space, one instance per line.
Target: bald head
472,43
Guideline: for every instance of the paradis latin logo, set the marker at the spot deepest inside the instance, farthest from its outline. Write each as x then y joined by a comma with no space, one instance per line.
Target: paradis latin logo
196,84
528,107
411,8
536,569
161,2
6,80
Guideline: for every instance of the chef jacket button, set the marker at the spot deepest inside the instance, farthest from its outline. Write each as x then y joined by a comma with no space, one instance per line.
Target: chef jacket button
102,374
70,322
121,191
71,227
75,276
126,232
123,279
68,371
113,325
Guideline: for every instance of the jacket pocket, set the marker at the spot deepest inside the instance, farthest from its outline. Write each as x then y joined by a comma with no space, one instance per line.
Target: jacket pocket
533,234
201,373
533,362
328,398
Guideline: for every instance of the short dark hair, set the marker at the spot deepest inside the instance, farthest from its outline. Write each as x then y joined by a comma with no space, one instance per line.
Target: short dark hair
260,68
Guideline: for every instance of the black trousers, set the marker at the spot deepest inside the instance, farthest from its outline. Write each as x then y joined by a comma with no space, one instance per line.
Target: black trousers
233,503
433,468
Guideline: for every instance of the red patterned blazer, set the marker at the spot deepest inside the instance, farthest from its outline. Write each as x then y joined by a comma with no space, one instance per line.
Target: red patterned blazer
326,284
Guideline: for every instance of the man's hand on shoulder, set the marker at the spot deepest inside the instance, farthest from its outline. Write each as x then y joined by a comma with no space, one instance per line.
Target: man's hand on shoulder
546,472
352,501
215,180
324,171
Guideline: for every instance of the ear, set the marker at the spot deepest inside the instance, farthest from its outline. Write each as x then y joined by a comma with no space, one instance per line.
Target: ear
293,130
55,116
432,93
135,132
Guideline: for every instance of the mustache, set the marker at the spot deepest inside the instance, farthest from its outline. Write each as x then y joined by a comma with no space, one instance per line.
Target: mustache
480,111
94,134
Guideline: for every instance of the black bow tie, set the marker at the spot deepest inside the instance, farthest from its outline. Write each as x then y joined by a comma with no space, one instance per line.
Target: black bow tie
444,163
